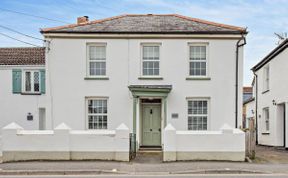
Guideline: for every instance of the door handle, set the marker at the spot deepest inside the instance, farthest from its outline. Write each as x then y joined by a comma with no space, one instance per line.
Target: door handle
150,130
159,129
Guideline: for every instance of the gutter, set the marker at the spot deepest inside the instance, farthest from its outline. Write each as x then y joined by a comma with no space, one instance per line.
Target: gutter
256,105
238,45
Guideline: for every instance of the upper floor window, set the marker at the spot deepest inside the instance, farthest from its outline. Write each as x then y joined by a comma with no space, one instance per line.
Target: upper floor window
198,60
31,81
266,78
96,60
151,60
197,114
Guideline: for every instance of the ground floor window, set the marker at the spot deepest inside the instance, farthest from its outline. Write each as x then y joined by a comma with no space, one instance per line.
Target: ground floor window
266,119
31,81
197,114
97,114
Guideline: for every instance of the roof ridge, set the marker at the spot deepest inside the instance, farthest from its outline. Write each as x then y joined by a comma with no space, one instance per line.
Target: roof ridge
125,15
210,22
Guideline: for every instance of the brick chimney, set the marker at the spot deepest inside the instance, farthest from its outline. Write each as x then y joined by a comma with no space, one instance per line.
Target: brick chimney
82,20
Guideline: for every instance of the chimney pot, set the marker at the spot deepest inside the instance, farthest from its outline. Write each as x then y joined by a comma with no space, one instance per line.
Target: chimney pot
82,20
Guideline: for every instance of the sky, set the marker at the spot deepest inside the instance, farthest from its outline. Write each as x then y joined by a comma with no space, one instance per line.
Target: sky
261,17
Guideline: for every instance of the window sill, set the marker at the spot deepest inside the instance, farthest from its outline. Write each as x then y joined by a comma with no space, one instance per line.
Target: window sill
265,133
265,91
150,78
198,78
96,78
25,93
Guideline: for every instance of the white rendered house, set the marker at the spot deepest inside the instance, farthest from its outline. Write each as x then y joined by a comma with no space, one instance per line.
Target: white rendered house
271,97
170,81
145,71
22,93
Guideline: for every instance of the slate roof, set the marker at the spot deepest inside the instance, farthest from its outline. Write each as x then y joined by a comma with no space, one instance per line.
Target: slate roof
281,47
248,100
149,23
22,56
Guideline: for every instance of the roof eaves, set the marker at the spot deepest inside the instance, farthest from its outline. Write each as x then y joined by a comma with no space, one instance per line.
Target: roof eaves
271,55
145,32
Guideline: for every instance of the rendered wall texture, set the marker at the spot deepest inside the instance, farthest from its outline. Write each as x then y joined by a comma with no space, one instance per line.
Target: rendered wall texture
62,143
225,144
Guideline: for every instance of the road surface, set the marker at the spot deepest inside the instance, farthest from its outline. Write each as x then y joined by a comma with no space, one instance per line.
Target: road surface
156,176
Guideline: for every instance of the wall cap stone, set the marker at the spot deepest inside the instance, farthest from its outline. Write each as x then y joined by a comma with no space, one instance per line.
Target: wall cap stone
12,126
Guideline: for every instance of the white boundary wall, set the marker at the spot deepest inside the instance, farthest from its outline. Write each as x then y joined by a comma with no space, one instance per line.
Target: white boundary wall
62,143
225,144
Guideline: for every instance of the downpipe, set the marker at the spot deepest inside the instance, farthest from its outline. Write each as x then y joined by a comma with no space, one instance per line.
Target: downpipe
238,45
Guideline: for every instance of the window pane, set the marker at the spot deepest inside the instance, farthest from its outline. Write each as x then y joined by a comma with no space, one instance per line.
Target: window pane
150,52
266,115
97,68
97,114
189,107
197,52
36,82
97,52
27,81
150,67
198,115
197,68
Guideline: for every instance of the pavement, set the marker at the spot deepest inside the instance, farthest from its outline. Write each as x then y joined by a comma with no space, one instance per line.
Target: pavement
266,154
268,161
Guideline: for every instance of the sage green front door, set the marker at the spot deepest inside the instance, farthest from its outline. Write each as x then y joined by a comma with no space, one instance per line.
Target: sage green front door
151,125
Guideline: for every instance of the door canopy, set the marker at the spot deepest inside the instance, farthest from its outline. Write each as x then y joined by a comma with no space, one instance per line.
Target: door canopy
150,90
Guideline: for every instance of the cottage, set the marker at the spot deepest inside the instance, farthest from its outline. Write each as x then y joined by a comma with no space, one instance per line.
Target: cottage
271,97
22,94
171,81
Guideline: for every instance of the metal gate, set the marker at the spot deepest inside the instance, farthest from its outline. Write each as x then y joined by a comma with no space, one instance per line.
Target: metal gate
132,148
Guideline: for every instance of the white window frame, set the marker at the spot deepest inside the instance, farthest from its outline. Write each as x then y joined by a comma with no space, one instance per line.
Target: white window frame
266,119
207,59
88,45
266,78
32,71
102,114
207,115
142,55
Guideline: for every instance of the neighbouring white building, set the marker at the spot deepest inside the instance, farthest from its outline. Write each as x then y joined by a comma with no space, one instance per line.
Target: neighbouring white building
248,107
271,97
22,91
172,80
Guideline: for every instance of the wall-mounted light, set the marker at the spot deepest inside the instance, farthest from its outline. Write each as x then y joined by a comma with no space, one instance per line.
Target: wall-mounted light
29,117
274,102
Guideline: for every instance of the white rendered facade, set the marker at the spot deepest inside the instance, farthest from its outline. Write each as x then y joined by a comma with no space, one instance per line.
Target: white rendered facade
272,96
70,87
15,107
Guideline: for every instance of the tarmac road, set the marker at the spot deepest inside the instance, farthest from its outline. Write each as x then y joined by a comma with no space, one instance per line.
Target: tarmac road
157,176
